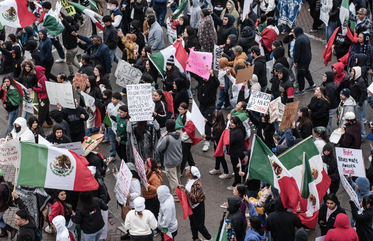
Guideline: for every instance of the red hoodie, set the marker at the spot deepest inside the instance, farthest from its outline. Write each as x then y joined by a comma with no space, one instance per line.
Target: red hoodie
41,90
342,231
338,77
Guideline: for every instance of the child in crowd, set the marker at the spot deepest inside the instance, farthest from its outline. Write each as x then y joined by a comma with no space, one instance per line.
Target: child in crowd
112,110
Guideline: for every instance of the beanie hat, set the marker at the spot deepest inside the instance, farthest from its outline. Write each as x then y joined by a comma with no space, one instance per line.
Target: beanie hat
223,62
346,92
151,19
47,5
139,204
205,12
237,49
170,125
255,50
170,60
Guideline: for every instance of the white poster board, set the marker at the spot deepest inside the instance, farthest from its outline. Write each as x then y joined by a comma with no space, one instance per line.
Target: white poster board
73,146
274,111
126,74
60,93
370,88
216,57
171,33
9,152
350,161
326,6
350,191
140,102
122,186
259,101
140,167
198,119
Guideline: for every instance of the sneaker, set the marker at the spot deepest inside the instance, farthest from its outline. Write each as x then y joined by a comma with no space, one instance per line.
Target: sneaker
313,30
206,146
283,32
295,84
214,171
365,120
156,233
111,159
311,87
60,61
231,188
225,176
299,92
48,229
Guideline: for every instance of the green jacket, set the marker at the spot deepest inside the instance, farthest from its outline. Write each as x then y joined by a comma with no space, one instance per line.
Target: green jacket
242,114
122,129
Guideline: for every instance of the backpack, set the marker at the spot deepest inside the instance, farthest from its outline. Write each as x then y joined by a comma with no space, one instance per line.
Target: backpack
38,234
10,188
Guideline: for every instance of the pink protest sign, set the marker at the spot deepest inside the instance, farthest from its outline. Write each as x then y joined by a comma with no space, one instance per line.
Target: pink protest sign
199,63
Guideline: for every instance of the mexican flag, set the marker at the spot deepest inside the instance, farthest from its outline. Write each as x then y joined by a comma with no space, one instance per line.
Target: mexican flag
14,13
93,112
265,166
159,59
52,167
52,24
179,10
95,17
306,166
344,14
221,234
110,123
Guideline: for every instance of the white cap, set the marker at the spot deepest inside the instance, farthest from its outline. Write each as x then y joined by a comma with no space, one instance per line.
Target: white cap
350,116
139,204
195,172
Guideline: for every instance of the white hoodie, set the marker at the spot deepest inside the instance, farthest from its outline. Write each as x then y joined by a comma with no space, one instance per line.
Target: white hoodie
25,134
167,212
62,232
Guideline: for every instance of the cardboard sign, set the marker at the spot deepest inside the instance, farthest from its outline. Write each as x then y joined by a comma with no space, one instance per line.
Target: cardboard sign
199,63
244,74
274,111
259,101
140,102
69,8
140,167
126,74
80,80
122,186
289,115
350,161
171,33
60,93
217,56
73,146
198,119
350,191
9,152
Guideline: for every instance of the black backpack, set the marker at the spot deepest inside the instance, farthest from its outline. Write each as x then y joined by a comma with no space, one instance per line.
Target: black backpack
10,187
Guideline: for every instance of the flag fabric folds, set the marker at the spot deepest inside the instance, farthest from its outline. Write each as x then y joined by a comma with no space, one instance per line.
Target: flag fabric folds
15,13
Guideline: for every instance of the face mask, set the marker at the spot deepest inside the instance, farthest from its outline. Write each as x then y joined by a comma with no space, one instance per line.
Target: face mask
18,128
111,7
370,158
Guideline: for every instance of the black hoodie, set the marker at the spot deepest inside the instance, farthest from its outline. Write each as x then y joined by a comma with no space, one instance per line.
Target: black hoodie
181,94
236,217
282,223
331,90
302,48
17,61
140,41
279,56
362,61
247,39
52,136
275,89
332,167
180,28
260,70
7,58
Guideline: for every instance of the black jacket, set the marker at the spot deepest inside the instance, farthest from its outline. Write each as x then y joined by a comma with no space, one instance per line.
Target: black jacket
285,84
260,70
359,91
207,91
237,142
334,12
319,111
110,37
52,136
265,130
224,30
247,39
282,223
26,232
29,80
215,135
330,223
137,28
236,217
302,48
69,41
161,109
363,222
7,58
72,117
86,69
95,160
332,168
331,90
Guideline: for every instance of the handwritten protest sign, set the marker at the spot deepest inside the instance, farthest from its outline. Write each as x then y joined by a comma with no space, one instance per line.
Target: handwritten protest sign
73,146
171,31
259,101
350,191
350,161
124,177
217,56
244,74
326,6
9,152
60,93
126,74
199,63
80,80
198,119
281,109
274,111
289,115
140,167
68,7
140,104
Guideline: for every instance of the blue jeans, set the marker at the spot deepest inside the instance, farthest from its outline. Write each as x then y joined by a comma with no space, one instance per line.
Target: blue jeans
56,43
331,114
160,13
360,113
93,236
330,29
223,98
263,89
113,57
12,117
89,130
2,223
113,141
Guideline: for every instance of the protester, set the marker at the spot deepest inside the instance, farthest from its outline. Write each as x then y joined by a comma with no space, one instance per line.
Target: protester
351,129
342,231
21,132
319,107
11,97
4,196
364,228
329,159
167,221
304,122
36,129
328,213
347,104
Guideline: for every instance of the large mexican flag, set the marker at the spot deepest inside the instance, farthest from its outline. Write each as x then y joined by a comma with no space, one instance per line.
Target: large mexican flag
14,13
265,166
52,167
95,17
177,50
306,166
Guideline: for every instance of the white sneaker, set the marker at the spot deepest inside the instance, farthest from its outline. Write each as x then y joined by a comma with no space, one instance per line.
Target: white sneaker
60,61
231,188
48,229
206,146
225,176
214,171
112,159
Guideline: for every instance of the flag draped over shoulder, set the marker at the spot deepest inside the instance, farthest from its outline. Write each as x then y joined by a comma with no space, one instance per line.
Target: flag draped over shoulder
14,13
52,167
95,17
159,59
265,166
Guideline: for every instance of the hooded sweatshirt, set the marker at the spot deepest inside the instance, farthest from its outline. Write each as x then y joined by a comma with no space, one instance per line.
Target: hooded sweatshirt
228,52
172,152
247,39
255,83
167,212
331,90
340,78
364,187
224,30
41,89
301,235
7,58
260,70
45,47
62,232
302,47
253,235
236,217
363,222
25,134
52,136
17,61
362,61
359,89
232,12
342,231
286,87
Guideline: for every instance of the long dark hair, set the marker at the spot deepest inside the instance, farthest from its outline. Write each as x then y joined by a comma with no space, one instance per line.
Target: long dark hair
160,93
12,82
140,130
154,168
238,123
324,94
57,199
306,118
85,203
219,123
24,73
241,189
101,71
31,121
185,107
323,135
92,82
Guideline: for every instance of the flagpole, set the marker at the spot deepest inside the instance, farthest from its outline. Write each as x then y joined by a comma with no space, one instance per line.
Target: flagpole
304,140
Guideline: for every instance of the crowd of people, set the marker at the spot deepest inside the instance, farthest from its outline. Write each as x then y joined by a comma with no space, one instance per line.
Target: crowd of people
132,31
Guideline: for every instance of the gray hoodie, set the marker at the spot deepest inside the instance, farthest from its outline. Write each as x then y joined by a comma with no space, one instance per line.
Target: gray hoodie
167,212
172,152
348,106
